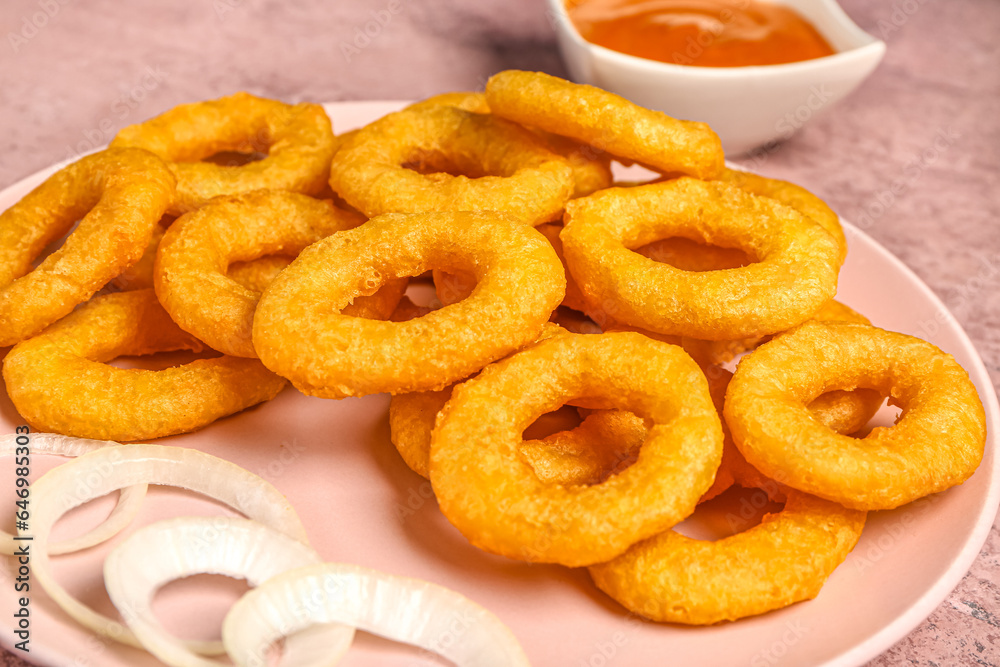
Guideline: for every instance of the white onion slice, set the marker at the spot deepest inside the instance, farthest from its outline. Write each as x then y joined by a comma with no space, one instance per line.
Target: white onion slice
406,610
129,501
105,470
178,548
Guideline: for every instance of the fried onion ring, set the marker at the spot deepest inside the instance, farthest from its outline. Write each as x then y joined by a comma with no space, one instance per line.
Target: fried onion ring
792,196
786,558
937,441
118,195
59,380
501,167
300,332
607,122
796,272
298,141
491,494
197,250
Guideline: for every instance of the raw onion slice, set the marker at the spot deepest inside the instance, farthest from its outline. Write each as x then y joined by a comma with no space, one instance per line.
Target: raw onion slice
129,501
105,470
406,610
178,548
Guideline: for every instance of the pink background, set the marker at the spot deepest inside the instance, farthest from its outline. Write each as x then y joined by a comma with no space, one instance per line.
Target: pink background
913,156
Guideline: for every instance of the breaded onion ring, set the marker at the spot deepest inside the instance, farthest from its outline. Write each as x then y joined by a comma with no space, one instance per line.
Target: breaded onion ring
795,274
502,167
786,558
494,498
452,287
298,141
59,380
118,195
792,196
607,122
604,442
300,331
591,167
197,250
937,441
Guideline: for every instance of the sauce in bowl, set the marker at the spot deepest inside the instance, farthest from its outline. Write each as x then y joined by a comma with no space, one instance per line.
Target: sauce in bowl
700,33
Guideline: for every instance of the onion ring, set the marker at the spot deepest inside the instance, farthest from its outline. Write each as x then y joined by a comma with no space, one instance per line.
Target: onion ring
300,332
177,548
129,500
192,261
607,122
371,601
784,559
113,468
117,195
492,496
453,287
792,196
298,141
796,272
503,167
51,378
937,441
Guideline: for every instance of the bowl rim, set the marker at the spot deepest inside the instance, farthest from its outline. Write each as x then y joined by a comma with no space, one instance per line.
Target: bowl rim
873,49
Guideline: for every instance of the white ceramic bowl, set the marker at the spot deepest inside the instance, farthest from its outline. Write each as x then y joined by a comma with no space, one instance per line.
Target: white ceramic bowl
747,106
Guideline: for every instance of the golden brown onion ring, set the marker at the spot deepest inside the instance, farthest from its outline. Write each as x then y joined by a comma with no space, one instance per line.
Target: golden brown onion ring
607,122
118,195
936,443
795,274
495,499
60,380
300,330
442,158
297,140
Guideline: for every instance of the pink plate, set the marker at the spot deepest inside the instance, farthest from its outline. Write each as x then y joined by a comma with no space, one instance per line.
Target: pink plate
361,504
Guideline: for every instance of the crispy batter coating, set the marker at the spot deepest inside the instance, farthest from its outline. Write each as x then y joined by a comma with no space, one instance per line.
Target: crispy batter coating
793,196
60,380
442,158
795,274
298,141
198,249
118,195
786,558
492,495
607,122
300,331
936,443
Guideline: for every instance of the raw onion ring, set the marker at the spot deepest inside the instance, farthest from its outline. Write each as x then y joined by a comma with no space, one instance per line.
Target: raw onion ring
937,441
298,141
129,500
118,195
177,548
112,468
371,601
60,381
607,122
300,332
493,497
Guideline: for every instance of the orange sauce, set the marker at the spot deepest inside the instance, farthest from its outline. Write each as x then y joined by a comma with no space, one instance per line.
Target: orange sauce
702,33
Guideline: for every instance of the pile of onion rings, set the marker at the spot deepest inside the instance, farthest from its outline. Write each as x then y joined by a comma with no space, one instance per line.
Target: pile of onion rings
297,268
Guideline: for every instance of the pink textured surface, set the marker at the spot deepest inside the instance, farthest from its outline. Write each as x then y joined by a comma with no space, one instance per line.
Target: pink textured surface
913,156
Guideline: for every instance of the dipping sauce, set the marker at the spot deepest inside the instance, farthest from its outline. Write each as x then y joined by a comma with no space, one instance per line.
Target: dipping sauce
701,33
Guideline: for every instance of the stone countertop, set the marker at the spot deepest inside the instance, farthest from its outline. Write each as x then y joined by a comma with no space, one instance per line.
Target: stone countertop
913,155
